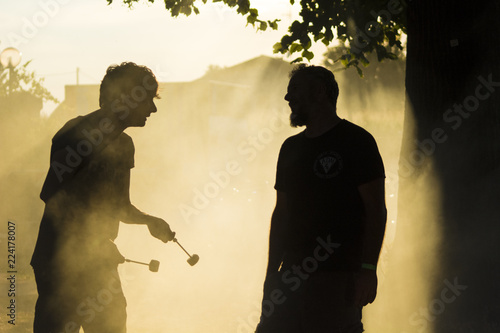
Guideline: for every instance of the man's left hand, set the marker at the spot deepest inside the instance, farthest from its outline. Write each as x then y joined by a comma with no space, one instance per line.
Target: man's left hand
365,288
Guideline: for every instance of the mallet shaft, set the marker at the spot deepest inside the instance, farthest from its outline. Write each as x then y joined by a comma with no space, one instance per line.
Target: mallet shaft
137,262
175,240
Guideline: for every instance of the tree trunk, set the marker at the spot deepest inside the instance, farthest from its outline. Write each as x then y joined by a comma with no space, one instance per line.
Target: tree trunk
449,193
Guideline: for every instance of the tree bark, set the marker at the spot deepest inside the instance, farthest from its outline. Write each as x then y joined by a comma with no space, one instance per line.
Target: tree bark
450,161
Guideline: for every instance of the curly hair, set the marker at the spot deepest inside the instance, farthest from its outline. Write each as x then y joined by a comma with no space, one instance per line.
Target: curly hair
125,79
322,75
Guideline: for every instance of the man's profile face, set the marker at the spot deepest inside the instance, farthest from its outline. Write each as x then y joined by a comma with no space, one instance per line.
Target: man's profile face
138,115
299,99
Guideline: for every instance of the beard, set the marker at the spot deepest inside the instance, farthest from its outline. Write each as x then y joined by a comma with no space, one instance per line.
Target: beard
297,119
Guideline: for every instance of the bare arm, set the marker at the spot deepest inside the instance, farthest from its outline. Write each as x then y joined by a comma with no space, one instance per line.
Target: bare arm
373,197
276,246
129,214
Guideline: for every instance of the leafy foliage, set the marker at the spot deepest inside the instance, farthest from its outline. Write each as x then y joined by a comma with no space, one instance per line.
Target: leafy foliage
23,80
187,7
362,26
334,57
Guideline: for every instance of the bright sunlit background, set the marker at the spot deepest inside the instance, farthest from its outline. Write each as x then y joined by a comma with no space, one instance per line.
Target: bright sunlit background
200,131
60,36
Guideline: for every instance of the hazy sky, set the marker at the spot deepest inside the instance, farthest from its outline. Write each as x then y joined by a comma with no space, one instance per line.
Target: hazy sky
61,35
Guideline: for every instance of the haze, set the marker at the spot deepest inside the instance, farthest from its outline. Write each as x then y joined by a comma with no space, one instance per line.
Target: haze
205,162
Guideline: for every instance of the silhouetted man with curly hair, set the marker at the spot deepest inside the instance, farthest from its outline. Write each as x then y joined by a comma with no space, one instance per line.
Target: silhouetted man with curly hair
86,195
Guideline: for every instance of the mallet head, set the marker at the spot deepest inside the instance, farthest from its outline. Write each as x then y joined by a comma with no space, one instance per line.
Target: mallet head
154,265
193,259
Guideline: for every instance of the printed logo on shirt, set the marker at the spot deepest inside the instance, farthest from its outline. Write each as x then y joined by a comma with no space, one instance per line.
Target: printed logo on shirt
328,164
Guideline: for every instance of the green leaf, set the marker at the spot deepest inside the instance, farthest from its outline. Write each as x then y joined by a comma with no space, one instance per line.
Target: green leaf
329,34
277,48
392,56
296,26
391,36
318,37
305,41
308,55
273,24
381,52
344,61
175,11
341,30
186,10
244,7
295,47
251,19
286,41
364,61
360,72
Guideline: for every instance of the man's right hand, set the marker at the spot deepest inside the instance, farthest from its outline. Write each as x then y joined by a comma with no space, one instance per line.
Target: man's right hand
160,229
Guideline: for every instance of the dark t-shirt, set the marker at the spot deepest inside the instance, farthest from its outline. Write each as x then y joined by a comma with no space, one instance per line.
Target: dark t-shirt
82,205
320,177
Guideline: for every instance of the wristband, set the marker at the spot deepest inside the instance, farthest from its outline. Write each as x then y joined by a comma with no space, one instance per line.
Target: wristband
369,266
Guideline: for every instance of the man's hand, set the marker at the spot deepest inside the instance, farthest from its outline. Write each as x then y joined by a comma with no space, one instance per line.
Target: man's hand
160,229
365,287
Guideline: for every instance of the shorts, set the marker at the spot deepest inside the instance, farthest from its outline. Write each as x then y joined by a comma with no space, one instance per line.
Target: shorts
321,302
92,299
